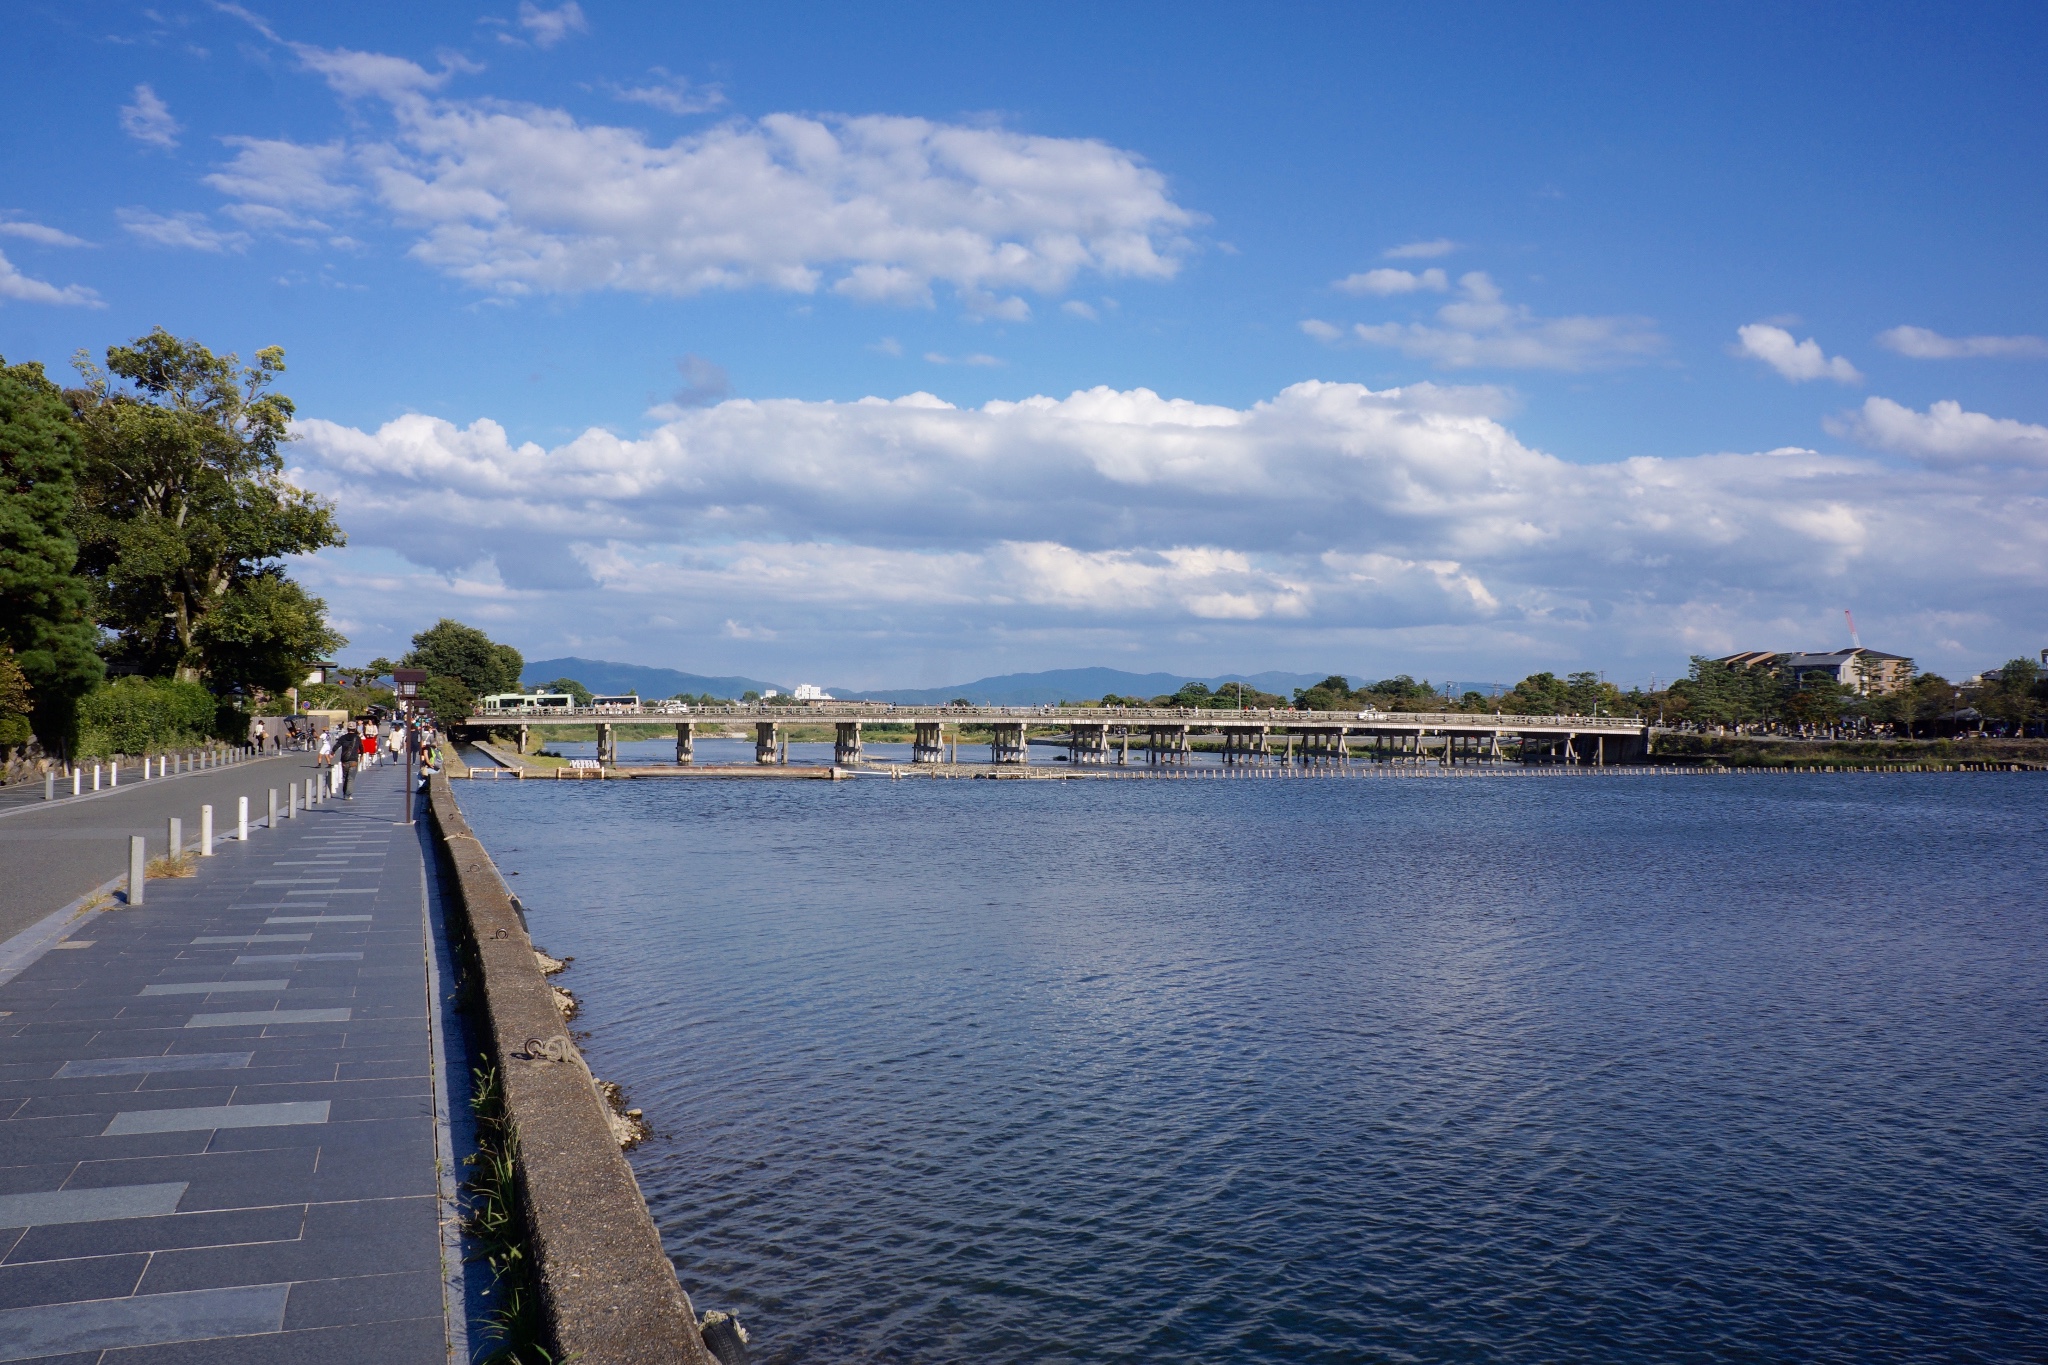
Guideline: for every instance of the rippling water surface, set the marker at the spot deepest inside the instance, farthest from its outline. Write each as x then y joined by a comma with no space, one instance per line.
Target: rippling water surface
1496,1069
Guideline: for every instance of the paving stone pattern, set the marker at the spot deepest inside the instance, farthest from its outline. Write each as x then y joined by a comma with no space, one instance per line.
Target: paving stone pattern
217,1121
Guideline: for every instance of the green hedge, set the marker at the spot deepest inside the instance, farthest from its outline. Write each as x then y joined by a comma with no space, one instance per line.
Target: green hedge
143,715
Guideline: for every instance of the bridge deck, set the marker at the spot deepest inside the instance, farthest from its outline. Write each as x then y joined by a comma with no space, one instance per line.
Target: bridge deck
1066,717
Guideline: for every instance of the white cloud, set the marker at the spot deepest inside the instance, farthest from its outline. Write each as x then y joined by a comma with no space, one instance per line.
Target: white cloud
672,94
1923,344
38,233
551,26
1421,251
1320,330
1479,328
1386,281
187,231
26,289
148,120
1327,512
1798,361
518,199
1076,308
1944,434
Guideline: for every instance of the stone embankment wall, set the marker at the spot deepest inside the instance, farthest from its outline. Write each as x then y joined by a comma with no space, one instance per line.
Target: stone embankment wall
608,1290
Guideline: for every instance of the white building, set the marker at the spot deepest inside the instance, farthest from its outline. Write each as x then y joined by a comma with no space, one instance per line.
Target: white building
811,692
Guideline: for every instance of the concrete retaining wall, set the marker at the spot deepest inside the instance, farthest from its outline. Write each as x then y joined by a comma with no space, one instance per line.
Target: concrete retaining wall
608,1289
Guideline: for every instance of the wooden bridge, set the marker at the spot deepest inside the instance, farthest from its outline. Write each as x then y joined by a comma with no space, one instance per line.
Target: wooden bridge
1104,734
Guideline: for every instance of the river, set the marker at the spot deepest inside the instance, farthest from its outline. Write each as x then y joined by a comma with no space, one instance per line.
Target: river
1522,1068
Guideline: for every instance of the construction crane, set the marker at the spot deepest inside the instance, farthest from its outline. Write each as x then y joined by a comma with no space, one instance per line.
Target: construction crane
1855,640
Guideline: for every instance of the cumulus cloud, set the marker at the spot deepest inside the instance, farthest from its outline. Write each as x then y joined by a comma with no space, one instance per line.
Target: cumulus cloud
1798,361
1944,434
26,289
39,234
550,26
1388,281
185,231
517,199
1478,327
1421,251
1114,515
148,120
1922,344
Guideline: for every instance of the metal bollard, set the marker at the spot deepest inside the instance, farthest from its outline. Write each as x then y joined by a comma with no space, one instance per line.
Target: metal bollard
242,819
273,809
206,831
138,859
291,796
50,785
177,836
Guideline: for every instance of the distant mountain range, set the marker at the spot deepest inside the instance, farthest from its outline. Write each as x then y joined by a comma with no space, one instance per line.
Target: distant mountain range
1008,689
618,679
1071,684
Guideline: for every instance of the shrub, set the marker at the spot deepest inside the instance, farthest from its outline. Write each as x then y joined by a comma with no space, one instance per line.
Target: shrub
139,715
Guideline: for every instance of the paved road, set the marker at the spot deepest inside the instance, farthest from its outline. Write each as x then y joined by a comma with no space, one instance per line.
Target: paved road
53,852
218,1117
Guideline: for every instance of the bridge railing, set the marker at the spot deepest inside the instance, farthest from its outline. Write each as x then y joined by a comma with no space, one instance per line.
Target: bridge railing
815,713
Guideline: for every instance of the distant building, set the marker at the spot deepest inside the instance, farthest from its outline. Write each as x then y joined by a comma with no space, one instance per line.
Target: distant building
317,672
1870,671
809,692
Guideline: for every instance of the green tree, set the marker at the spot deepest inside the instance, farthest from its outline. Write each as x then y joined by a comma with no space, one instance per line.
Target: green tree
2015,698
451,649
182,495
263,633
44,603
449,698
583,694
15,700
1539,694
1331,694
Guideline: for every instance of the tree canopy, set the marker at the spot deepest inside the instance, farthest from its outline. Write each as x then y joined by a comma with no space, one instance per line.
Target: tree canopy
45,606
183,511
450,649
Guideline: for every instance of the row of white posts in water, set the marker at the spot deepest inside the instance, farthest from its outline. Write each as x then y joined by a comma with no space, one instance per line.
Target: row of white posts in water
314,791
158,765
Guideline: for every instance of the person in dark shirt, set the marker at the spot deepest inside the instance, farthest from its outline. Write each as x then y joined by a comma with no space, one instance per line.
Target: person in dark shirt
348,751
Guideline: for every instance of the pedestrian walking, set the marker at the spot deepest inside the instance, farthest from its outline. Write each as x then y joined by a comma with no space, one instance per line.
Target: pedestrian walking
350,752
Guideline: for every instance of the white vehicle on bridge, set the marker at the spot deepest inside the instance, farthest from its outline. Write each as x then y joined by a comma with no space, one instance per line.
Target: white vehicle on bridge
628,704
527,703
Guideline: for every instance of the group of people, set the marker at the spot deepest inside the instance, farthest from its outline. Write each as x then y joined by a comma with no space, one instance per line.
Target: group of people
361,745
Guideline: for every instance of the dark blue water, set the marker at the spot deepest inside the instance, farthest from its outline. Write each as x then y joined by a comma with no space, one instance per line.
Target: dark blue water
1493,1069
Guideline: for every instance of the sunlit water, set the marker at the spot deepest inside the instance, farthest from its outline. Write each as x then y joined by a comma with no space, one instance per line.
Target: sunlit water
1516,1069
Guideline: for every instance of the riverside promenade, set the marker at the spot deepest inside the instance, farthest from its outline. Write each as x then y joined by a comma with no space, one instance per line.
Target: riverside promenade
225,1126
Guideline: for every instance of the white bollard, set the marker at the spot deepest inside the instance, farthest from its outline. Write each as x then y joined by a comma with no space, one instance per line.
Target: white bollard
138,860
273,809
176,841
206,831
96,776
74,781
242,819
291,796
50,784
114,773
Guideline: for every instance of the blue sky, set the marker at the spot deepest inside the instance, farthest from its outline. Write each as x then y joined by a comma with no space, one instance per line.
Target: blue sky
1312,337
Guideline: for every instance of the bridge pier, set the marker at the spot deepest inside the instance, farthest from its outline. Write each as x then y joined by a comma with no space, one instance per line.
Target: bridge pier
846,743
607,747
686,742
768,745
929,744
1006,744
525,737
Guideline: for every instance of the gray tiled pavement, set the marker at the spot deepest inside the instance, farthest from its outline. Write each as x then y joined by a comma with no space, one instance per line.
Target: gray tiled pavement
214,1154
